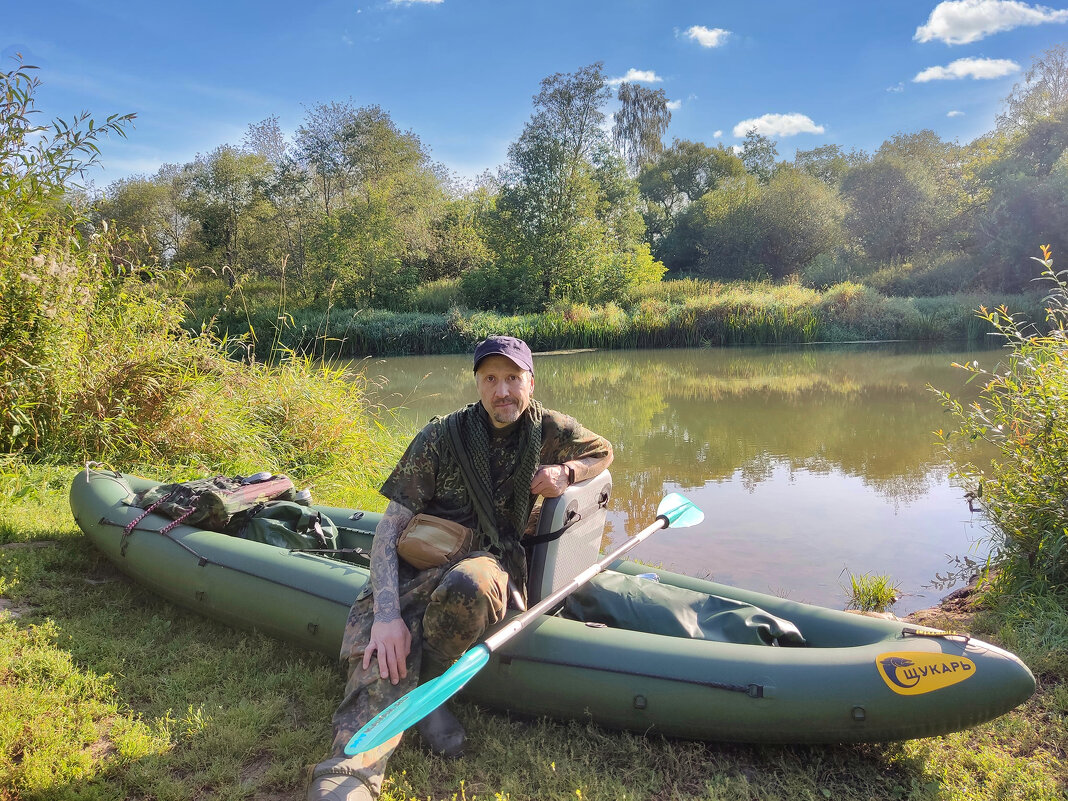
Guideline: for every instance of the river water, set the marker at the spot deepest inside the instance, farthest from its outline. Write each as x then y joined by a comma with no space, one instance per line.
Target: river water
809,462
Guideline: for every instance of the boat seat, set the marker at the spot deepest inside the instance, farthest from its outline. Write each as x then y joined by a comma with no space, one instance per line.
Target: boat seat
567,539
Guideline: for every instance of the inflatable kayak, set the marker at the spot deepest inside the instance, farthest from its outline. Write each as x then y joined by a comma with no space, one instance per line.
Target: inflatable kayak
645,650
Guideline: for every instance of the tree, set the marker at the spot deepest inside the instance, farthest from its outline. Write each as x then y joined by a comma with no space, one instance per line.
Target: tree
135,205
743,229
1043,92
319,149
228,201
292,195
152,212
828,163
885,209
719,235
459,242
360,252
265,138
1023,209
908,199
640,124
799,217
566,223
680,175
758,155
388,223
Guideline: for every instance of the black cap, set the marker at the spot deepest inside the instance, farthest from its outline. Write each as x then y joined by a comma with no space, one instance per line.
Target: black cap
509,347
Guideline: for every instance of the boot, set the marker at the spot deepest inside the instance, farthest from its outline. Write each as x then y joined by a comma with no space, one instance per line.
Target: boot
334,787
334,780
443,733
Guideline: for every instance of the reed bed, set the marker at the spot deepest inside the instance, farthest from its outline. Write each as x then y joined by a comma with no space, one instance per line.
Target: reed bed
678,313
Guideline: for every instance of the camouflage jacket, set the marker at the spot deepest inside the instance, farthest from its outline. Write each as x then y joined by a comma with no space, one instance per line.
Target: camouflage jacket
427,479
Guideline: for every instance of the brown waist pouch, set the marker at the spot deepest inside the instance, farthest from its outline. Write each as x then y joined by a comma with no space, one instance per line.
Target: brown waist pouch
429,541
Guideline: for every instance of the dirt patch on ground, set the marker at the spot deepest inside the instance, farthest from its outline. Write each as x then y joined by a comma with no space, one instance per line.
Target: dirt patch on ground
14,546
11,608
954,612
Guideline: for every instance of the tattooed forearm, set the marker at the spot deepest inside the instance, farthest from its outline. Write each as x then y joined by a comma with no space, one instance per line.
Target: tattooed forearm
384,561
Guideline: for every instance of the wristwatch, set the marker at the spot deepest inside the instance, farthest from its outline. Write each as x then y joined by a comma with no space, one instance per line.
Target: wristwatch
570,474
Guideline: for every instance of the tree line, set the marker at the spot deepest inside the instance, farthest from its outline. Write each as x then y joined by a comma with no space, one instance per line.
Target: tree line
355,209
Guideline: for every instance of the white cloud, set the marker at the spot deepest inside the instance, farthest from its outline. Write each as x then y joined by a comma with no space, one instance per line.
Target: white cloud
955,113
896,88
717,134
707,37
636,76
977,68
778,125
674,105
964,21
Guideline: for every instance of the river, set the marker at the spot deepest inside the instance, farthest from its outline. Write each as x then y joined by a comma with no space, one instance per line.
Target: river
810,462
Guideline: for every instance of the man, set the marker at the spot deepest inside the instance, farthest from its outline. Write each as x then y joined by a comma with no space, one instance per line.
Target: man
482,467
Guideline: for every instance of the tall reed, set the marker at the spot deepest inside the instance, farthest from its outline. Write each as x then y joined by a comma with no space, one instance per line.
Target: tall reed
684,313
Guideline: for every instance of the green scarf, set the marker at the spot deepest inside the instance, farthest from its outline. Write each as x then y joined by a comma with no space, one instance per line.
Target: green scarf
469,440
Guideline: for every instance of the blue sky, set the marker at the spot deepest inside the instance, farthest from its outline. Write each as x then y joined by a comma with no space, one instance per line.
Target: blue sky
461,73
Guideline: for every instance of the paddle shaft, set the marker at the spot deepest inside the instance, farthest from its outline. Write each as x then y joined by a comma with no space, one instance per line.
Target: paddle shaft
520,622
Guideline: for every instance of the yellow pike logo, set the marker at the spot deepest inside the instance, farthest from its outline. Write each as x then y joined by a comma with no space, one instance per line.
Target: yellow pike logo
918,672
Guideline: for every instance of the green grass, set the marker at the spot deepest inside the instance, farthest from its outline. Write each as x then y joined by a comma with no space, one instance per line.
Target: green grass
108,692
872,593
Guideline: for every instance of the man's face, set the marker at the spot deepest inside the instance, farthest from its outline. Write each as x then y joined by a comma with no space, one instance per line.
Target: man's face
505,389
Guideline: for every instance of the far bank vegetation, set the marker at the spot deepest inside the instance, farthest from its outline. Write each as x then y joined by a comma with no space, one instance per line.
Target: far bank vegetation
336,233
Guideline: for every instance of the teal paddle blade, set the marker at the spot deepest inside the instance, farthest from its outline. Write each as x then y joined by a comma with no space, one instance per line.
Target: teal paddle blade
679,512
420,702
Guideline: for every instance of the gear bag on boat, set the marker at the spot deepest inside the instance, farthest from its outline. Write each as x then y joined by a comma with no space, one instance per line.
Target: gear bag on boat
643,604
213,503
285,524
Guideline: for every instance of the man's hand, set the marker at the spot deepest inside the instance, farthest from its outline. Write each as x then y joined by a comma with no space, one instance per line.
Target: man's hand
550,481
391,641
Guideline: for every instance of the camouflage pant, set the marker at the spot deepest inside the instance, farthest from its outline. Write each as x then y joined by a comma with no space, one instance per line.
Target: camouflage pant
446,609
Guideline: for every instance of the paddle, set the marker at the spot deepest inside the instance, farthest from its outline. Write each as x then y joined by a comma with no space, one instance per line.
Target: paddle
408,710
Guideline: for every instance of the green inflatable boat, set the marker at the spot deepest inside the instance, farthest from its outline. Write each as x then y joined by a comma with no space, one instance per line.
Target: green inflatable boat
637,649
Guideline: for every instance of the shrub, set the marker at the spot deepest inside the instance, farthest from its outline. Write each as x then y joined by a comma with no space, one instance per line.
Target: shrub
1021,412
94,363
437,297
49,279
944,276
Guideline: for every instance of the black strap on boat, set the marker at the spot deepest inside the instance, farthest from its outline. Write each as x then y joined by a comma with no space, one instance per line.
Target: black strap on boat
127,530
571,519
541,539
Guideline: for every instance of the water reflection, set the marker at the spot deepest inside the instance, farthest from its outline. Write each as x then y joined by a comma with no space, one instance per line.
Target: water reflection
807,461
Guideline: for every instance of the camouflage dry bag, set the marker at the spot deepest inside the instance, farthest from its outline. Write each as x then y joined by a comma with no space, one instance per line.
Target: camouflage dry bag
212,503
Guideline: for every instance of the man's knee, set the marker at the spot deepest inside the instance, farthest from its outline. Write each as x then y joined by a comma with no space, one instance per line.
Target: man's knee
477,578
471,597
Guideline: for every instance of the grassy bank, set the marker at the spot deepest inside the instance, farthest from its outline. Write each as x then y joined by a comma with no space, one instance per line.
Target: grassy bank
684,313
108,692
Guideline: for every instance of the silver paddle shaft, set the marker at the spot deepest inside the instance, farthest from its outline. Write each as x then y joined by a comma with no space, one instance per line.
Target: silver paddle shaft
520,622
